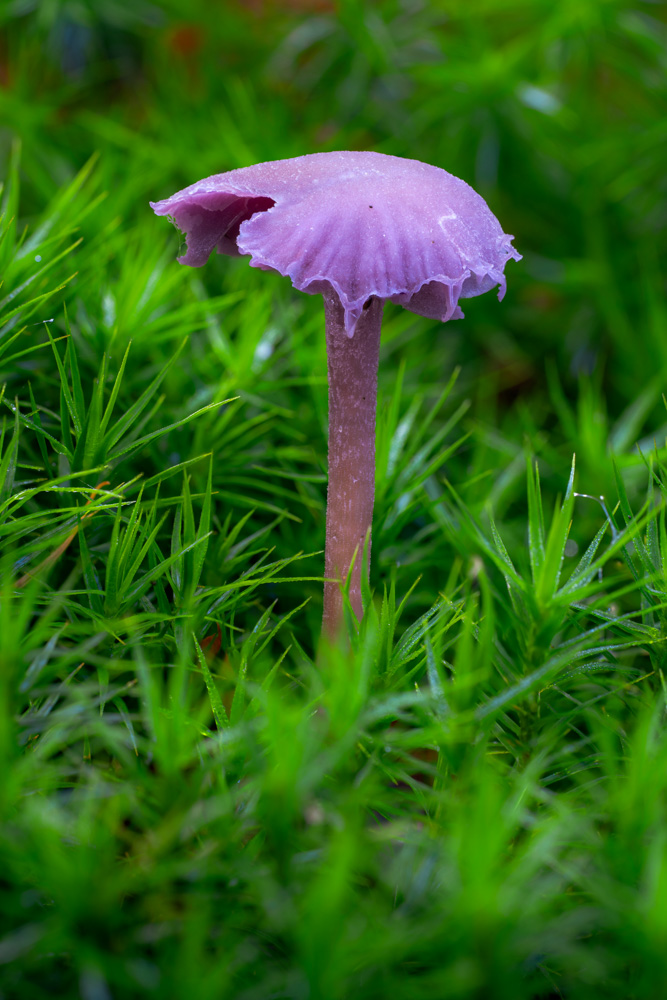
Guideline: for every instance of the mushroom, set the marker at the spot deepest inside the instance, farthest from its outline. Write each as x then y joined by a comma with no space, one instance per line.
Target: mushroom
358,228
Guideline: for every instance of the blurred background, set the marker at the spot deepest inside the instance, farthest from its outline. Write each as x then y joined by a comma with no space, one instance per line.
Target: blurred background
554,110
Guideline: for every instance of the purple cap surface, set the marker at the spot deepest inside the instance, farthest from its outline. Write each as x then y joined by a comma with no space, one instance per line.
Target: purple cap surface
363,224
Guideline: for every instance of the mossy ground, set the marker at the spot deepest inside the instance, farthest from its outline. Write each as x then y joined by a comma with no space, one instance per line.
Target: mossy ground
198,800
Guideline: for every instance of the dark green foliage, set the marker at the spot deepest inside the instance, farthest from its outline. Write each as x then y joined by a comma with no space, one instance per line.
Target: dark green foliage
198,800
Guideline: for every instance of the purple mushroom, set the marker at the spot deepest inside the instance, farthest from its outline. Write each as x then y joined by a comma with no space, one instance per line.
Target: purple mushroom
358,229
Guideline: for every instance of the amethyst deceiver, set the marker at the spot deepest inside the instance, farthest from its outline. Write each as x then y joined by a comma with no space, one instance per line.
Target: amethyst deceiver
359,229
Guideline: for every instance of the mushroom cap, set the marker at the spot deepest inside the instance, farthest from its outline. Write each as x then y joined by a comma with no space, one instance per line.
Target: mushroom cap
363,224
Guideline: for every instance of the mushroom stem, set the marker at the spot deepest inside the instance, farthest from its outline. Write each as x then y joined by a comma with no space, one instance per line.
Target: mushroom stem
352,364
